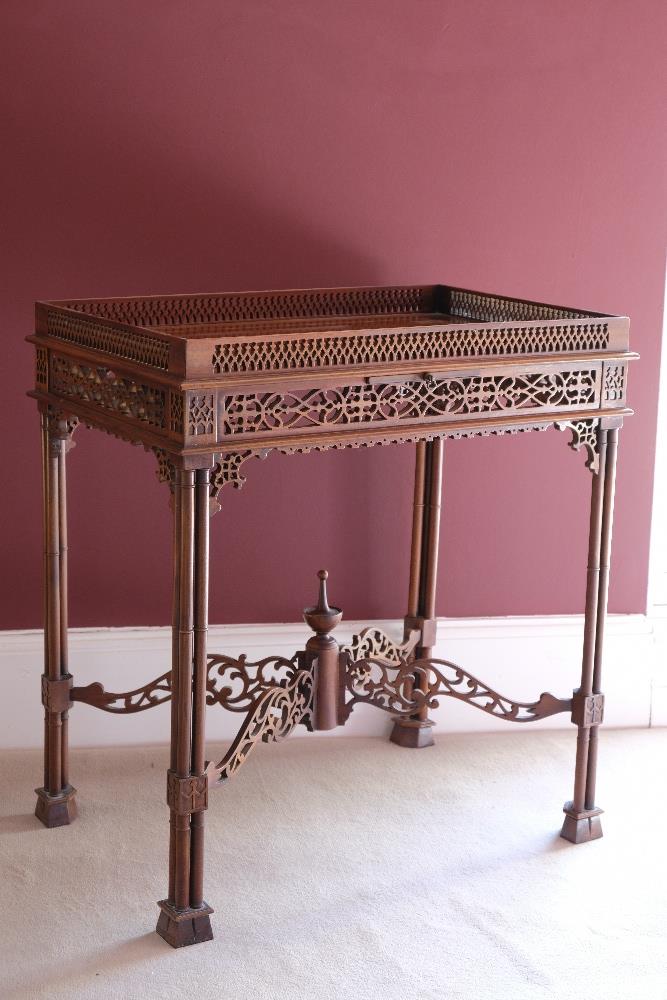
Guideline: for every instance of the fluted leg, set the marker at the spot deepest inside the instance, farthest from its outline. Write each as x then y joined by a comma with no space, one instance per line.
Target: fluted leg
184,916
582,816
56,804
416,731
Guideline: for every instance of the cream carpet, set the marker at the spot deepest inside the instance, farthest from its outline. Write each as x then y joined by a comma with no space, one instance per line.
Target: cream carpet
348,868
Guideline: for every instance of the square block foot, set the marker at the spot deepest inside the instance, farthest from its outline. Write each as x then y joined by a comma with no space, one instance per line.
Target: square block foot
182,927
581,827
412,733
56,810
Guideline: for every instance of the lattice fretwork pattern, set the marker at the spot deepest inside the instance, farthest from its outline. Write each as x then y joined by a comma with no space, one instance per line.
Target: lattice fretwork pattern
41,368
497,309
165,471
265,305
361,404
424,345
138,347
614,383
176,412
100,387
201,415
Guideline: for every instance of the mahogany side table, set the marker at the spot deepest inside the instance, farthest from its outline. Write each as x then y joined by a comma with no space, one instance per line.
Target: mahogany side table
208,382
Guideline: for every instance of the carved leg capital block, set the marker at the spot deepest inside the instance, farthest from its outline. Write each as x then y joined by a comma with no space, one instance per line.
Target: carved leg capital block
427,628
56,694
56,810
187,795
580,827
183,927
412,733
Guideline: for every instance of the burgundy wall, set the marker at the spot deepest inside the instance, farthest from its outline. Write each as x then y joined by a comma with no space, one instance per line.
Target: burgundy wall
164,146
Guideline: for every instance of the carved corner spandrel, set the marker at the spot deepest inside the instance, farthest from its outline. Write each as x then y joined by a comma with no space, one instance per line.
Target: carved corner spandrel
584,435
166,469
227,472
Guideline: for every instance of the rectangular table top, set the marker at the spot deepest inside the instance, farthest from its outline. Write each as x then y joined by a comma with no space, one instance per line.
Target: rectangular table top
197,371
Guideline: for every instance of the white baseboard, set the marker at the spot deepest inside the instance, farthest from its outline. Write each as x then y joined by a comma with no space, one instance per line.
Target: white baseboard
520,657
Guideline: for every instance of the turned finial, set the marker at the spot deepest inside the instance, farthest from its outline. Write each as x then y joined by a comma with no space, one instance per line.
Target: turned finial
322,656
323,601
322,617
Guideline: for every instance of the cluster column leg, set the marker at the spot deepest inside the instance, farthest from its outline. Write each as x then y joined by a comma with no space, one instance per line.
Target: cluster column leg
198,763
184,916
56,803
416,731
582,816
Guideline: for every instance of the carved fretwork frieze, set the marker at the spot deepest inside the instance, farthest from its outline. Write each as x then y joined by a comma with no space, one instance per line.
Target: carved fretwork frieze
415,399
405,688
271,718
584,435
100,388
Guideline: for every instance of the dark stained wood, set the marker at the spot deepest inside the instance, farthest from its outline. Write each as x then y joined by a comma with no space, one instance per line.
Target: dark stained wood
175,647
223,375
417,529
323,650
582,817
56,802
182,669
208,382
55,618
184,916
416,732
198,762
183,927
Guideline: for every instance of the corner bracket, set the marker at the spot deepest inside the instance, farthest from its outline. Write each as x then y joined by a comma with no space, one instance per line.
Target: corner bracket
584,435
